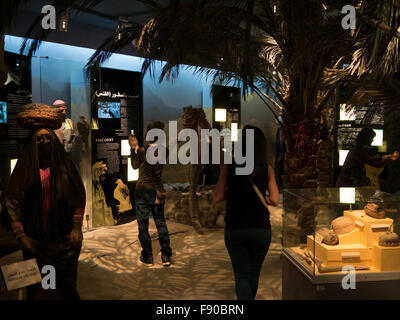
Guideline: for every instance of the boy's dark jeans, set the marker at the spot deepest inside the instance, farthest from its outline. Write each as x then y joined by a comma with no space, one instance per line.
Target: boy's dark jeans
145,206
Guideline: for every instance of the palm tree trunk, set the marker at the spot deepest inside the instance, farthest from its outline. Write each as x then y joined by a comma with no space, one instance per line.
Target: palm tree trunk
308,165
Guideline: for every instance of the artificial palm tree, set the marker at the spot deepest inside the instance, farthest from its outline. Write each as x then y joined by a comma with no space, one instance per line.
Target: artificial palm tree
375,64
281,50
289,53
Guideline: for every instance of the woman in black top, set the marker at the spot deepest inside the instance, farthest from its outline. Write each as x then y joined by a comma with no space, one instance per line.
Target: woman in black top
248,229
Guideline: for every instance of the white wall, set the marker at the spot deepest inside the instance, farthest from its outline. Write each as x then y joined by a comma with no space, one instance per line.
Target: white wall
256,113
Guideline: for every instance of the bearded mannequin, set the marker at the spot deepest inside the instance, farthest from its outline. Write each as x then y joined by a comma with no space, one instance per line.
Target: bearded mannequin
45,200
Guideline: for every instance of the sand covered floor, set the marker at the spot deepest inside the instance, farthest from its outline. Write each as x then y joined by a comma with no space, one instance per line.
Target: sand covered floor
109,266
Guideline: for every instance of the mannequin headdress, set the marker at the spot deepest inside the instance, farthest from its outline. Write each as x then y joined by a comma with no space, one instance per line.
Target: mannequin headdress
40,115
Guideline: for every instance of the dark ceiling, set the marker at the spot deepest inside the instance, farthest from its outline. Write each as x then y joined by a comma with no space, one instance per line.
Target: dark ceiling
89,29
105,14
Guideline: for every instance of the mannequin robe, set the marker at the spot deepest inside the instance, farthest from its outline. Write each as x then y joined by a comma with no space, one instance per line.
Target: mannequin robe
44,205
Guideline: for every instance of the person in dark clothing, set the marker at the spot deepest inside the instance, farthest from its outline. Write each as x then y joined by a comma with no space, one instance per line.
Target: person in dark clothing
353,172
45,201
149,200
248,228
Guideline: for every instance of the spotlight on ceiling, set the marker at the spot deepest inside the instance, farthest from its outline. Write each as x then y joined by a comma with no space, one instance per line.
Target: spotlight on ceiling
64,21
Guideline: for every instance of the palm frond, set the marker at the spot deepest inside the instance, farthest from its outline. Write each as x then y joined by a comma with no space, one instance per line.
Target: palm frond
112,44
271,52
377,49
387,96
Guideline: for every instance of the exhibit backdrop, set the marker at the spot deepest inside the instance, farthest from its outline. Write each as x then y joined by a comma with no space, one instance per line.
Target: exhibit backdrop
15,93
116,100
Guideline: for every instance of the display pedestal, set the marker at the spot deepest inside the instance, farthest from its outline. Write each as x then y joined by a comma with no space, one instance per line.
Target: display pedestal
298,284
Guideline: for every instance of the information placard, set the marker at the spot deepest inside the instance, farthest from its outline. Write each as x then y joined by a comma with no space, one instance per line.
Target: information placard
21,274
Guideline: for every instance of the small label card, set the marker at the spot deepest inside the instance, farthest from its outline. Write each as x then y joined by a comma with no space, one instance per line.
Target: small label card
21,274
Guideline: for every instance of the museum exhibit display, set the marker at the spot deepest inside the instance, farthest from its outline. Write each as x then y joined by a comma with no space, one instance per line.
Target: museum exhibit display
14,94
310,74
330,230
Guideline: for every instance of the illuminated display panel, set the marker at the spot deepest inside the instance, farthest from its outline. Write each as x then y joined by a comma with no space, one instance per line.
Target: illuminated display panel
347,195
108,110
342,156
378,140
234,131
3,112
13,162
220,115
125,148
133,174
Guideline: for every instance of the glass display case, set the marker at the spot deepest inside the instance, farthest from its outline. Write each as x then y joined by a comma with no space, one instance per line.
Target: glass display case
328,232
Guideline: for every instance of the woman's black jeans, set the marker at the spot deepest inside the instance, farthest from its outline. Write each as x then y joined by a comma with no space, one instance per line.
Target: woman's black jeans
145,206
247,249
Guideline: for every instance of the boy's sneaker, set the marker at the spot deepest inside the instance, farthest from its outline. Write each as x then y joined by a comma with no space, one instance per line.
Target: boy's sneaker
147,261
166,261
